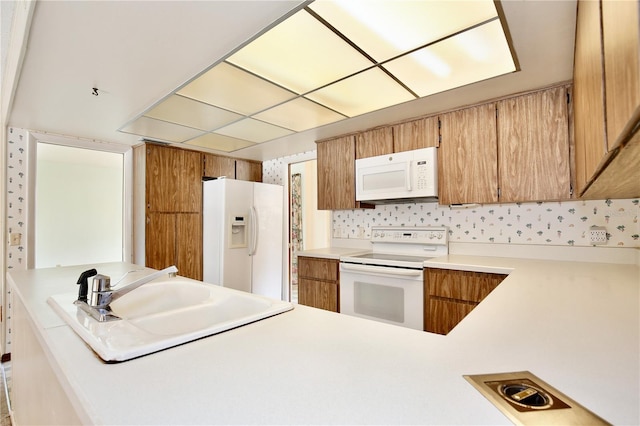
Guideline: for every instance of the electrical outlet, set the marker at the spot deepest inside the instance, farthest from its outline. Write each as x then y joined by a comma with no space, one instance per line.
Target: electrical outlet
598,235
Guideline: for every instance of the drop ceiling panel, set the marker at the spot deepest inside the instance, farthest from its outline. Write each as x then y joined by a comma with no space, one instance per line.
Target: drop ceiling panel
219,142
365,92
253,130
187,112
162,130
387,29
300,114
300,54
472,56
231,88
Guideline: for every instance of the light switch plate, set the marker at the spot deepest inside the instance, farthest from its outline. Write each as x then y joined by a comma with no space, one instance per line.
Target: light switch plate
15,239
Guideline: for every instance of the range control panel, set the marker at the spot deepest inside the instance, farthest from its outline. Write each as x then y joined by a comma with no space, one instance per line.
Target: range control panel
416,235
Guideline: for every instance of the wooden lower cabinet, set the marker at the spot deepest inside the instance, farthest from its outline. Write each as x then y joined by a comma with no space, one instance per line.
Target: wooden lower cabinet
318,283
175,239
450,295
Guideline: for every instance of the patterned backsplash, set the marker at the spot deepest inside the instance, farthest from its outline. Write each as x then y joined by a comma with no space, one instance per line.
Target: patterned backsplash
554,223
563,223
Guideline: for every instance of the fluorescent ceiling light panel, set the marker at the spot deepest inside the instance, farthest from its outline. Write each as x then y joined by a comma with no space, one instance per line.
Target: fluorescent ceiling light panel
365,92
385,29
162,130
228,87
219,142
300,114
190,113
300,54
476,55
253,130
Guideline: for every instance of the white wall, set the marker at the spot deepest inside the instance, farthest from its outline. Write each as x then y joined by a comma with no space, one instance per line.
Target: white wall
79,200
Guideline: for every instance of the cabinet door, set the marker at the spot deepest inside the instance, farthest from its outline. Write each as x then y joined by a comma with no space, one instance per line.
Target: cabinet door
417,134
318,294
307,291
468,161
190,182
162,179
160,241
533,147
249,170
189,245
336,174
217,165
450,295
621,39
173,180
374,142
588,96
446,314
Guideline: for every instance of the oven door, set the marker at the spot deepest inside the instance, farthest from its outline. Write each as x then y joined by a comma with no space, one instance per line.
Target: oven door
385,294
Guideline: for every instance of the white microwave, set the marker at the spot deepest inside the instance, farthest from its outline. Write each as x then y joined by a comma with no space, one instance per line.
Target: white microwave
410,176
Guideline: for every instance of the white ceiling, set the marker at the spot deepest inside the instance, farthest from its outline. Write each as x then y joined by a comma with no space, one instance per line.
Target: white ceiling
137,53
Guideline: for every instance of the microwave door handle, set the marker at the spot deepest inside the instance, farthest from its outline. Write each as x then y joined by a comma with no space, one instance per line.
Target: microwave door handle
407,176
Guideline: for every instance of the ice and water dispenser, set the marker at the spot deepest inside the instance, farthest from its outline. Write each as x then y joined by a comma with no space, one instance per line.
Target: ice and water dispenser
238,232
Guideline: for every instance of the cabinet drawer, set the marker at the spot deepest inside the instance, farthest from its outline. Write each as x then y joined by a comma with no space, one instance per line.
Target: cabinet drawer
320,269
461,285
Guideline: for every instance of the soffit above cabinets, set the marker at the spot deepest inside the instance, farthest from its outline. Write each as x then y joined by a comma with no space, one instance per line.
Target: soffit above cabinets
332,60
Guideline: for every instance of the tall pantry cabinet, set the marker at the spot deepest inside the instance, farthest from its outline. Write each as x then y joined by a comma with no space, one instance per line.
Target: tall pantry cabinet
168,209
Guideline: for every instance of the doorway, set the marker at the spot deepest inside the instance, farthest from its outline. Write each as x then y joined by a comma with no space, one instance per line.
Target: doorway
309,228
79,201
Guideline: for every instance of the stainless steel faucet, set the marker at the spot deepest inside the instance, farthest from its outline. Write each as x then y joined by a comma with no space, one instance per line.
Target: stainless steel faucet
101,294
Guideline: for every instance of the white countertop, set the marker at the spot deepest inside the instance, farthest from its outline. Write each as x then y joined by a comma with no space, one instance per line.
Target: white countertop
331,252
575,325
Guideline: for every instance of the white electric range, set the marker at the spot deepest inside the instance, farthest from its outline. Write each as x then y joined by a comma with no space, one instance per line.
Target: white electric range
386,284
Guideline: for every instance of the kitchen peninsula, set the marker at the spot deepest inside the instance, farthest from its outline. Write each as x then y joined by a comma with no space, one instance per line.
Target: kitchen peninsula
576,325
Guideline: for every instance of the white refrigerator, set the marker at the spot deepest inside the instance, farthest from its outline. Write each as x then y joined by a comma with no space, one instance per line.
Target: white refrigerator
242,236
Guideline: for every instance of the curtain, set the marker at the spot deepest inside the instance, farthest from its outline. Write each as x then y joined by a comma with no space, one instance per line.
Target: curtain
296,224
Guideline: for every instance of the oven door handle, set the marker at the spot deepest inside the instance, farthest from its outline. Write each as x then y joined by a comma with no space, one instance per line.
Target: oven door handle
380,270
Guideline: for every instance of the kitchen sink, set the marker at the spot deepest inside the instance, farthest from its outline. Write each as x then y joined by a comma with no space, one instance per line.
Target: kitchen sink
525,399
163,314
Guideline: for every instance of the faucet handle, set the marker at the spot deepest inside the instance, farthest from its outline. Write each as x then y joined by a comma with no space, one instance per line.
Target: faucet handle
100,291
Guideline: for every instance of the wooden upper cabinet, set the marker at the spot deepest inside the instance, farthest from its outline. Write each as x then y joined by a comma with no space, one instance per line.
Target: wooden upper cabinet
374,142
417,134
621,39
249,170
336,174
533,147
231,168
216,166
190,191
588,95
467,158
173,179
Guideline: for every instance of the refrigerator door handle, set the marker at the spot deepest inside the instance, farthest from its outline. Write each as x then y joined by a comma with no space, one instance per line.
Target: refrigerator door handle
253,231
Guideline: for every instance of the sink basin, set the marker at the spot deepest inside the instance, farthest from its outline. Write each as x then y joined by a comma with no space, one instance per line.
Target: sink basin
164,313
